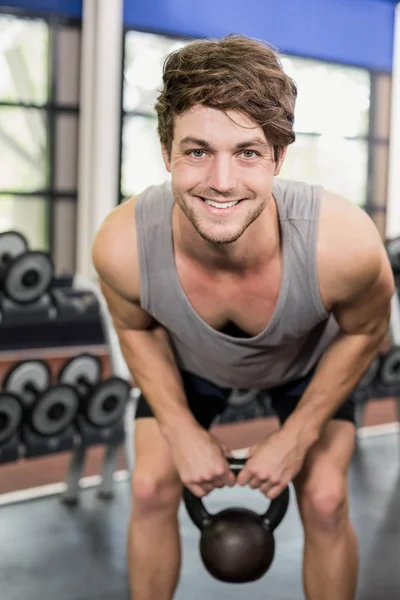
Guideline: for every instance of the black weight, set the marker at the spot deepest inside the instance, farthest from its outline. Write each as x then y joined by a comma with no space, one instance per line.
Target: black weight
28,379
10,416
12,245
390,368
107,404
103,403
28,277
48,410
237,544
393,251
242,396
54,410
74,305
83,370
371,374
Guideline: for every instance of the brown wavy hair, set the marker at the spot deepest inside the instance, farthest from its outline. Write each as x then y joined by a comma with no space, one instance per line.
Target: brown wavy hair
232,73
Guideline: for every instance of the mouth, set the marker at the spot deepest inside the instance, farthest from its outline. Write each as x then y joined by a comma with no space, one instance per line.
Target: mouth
215,206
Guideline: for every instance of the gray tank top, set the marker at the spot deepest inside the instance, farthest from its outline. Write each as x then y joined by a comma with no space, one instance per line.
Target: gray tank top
300,328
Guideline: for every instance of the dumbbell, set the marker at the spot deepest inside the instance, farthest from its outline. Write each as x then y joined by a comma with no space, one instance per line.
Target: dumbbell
25,275
389,373
242,396
48,409
371,374
10,416
393,251
102,403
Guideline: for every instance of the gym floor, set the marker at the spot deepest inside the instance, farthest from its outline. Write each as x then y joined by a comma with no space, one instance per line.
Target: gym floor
49,551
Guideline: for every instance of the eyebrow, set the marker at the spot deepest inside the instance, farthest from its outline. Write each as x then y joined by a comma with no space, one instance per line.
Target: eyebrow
207,146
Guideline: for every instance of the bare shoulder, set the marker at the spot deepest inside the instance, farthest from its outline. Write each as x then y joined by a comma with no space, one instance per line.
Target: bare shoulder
114,251
350,252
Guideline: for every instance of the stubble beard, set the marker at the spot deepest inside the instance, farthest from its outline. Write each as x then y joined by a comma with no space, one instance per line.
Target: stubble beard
214,233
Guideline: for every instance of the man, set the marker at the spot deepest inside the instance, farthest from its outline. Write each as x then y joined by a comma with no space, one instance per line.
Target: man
228,277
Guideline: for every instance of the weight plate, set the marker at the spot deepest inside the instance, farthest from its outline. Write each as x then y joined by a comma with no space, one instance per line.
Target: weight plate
12,244
107,404
28,277
25,374
390,368
370,374
393,250
242,396
55,410
10,416
83,367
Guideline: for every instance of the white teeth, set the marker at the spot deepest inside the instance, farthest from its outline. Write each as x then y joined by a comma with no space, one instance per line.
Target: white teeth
220,204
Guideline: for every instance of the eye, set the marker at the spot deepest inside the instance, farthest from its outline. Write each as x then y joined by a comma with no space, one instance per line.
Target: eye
196,153
250,153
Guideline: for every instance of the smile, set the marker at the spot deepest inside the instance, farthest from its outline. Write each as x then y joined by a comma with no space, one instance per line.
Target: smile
220,205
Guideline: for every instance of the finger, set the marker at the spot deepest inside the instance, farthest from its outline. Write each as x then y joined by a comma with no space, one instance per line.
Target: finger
230,479
244,477
207,486
265,487
255,482
197,490
276,491
219,482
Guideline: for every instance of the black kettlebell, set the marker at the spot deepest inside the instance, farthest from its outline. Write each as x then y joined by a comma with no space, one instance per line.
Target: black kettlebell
237,545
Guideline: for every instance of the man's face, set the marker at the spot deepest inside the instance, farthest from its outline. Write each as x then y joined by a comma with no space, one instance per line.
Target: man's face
222,170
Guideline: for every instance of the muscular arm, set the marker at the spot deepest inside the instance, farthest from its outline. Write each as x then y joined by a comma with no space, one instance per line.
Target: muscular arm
356,285
144,343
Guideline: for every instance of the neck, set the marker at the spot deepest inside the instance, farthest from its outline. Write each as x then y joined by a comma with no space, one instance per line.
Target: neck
258,245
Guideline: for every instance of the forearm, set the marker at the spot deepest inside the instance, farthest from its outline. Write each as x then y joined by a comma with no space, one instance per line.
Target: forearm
340,369
151,361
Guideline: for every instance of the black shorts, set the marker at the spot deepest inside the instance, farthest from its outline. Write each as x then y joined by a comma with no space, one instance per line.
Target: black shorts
207,401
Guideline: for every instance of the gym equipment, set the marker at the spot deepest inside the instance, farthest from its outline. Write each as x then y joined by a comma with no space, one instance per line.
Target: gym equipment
102,402
393,251
100,420
10,423
118,364
12,245
242,396
62,317
48,410
371,374
237,545
25,274
389,373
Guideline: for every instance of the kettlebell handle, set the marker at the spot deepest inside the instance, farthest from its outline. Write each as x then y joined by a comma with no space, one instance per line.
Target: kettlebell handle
201,517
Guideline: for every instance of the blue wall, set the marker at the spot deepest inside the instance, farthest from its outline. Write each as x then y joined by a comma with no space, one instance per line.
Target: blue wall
69,8
356,32
349,31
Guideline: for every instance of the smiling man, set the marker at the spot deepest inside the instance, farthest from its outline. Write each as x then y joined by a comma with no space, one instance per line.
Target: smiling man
228,277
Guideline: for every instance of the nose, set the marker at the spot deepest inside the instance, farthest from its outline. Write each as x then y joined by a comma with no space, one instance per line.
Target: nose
222,176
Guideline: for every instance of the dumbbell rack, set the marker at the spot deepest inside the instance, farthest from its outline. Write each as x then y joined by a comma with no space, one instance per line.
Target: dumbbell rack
41,313
119,369
394,331
377,389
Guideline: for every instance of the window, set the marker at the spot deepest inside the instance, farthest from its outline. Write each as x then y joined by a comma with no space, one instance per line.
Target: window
141,160
332,121
331,124
39,93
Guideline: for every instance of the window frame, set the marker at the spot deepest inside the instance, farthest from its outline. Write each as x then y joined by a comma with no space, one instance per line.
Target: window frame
52,110
372,140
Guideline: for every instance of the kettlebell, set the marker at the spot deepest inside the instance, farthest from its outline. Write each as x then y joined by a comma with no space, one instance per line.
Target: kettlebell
237,545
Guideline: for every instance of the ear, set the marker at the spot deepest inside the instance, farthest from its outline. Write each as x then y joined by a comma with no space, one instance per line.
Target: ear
279,164
166,158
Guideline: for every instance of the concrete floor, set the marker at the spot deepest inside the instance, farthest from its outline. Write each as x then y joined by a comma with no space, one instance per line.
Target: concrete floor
51,552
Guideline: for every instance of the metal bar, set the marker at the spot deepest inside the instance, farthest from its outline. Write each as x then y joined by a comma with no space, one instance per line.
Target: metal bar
77,463
105,491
